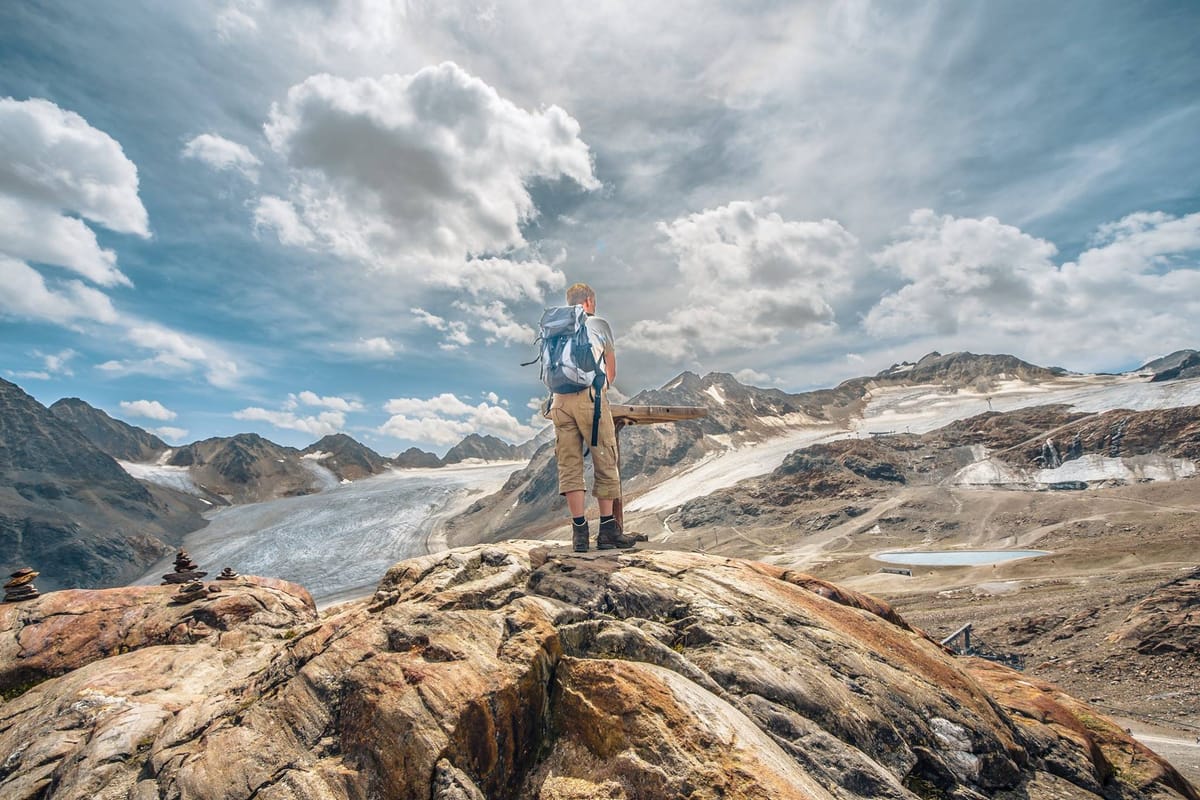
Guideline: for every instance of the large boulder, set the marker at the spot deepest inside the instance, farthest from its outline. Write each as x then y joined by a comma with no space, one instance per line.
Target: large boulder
518,671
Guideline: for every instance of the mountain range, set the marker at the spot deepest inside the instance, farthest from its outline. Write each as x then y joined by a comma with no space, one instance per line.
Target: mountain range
90,500
737,415
68,506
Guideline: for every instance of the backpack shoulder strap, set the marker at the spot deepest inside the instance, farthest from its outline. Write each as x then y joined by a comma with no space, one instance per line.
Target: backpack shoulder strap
597,389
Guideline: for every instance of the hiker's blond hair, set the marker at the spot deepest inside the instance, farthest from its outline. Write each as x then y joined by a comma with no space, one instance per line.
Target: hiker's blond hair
579,293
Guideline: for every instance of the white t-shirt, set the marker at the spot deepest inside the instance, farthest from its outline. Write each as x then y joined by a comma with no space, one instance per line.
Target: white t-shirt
601,335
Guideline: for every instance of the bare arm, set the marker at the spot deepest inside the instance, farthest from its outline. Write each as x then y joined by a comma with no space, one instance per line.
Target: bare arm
610,366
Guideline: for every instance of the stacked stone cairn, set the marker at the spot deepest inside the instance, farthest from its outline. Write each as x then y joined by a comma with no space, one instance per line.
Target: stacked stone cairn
189,592
185,570
20,586
227,574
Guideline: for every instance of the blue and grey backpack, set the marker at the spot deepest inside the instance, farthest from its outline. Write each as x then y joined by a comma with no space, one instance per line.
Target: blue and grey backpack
568,360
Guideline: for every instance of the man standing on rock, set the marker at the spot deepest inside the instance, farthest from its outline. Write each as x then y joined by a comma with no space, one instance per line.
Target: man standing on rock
572,415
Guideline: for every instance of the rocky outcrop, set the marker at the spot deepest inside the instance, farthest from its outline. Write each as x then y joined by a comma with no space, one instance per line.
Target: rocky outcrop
114,437
1167,621
63,631
484,448
516,671
345,457
249,469
68,510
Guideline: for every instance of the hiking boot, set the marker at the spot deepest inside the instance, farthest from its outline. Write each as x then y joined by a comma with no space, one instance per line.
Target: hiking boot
611,536
579,536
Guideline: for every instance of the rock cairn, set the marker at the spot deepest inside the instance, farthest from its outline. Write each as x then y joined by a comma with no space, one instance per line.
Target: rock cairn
189,592
227,574
185,570
20,586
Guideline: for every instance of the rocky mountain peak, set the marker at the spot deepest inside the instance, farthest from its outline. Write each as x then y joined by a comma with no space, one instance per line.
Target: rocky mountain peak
346,457
117,438
415,457
485,447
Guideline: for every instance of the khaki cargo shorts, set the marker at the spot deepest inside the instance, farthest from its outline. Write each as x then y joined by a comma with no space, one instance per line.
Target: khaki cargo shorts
572,418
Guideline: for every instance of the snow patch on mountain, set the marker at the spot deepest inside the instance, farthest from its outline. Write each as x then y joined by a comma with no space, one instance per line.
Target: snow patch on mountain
177,478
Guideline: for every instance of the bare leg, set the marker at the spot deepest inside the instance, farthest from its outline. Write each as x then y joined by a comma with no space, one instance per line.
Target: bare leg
575,501
606,506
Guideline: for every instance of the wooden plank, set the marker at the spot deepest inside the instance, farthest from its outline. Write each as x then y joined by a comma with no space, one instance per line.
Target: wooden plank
625,414
648,415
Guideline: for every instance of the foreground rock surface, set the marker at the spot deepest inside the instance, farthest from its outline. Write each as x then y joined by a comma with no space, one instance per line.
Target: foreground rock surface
517,671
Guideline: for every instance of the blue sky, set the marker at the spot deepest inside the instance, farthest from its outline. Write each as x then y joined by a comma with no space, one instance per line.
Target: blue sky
296,218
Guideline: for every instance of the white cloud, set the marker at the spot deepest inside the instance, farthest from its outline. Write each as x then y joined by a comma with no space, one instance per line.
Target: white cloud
170,434
276,214
960,272
446,419
31,232
323,424
497,323
52,364
455,330
375,347
751,277
753,377
222,154
25,293
174,353
55,160
56,171
335,403
445,404
501,278
404,170
150,409
982,284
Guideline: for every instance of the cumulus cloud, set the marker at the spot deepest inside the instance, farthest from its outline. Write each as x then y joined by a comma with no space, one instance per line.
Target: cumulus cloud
753,377
150,409
445,420
989,285
335,403
25,293
32,233
375,347
170,434
222,154
751,277
57,174
433,164
55,161
323,424
960,272
425,175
